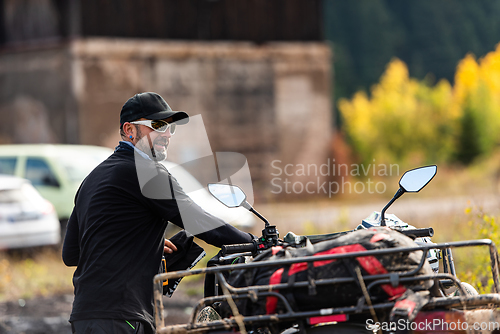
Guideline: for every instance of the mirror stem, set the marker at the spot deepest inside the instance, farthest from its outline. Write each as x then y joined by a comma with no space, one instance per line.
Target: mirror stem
247,206
397,195
260,216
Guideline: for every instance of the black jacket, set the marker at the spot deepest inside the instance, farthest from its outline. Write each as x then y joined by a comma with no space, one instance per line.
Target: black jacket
115,236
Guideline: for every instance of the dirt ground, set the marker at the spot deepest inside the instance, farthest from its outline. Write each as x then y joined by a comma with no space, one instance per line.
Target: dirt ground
49,315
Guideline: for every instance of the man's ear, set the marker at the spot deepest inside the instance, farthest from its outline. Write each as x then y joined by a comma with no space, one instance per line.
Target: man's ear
129,130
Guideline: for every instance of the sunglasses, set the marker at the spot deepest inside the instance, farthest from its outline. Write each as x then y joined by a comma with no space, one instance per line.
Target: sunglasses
159,125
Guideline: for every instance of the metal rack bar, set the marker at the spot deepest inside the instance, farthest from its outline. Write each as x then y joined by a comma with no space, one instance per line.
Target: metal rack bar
481,300
282,262
268,290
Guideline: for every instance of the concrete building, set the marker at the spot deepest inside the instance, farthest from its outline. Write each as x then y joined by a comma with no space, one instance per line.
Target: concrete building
64,77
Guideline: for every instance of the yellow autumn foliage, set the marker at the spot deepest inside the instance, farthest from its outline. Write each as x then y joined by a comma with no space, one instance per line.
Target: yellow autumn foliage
477,98
405,120
475,263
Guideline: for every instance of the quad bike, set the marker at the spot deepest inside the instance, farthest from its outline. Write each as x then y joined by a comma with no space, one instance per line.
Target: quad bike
384,276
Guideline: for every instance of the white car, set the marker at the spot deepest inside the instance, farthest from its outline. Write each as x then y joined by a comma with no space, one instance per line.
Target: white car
239,217
26,218
55,170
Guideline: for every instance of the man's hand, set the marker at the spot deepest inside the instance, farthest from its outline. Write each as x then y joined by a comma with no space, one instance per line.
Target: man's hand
169,247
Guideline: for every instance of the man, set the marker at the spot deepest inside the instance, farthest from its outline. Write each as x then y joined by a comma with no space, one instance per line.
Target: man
115,233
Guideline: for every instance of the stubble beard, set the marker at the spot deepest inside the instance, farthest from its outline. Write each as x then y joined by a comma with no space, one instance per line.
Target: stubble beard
156,150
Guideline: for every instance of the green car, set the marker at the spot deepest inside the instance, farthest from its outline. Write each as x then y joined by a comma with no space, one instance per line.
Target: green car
55,170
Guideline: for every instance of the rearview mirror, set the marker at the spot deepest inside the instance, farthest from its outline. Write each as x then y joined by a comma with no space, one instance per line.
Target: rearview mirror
229,195
414,180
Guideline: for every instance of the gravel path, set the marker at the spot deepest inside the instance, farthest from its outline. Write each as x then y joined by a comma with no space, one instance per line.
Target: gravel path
333,217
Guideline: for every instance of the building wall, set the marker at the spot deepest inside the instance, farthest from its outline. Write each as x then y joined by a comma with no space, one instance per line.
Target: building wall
260,21
36,98
243,20
269,102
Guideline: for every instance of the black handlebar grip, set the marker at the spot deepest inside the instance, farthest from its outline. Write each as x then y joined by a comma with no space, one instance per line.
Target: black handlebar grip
238,248
419,232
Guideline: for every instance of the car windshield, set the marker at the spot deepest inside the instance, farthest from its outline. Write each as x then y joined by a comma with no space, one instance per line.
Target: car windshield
25,194
79,166
10,196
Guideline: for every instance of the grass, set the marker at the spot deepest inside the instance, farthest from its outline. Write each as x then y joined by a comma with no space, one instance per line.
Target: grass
476,263
40,272
24,275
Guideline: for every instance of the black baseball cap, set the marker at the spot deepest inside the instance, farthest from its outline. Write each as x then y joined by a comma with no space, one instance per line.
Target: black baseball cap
152,106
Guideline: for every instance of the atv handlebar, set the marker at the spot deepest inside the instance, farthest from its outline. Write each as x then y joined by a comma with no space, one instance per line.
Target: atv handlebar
419,232
254,246
238,248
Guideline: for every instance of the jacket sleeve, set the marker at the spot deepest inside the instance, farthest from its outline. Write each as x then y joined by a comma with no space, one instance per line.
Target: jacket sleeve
209,228
71,247
174,205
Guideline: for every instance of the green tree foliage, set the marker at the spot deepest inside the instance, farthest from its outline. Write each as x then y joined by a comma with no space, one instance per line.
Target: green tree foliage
364,41
469,146
430,36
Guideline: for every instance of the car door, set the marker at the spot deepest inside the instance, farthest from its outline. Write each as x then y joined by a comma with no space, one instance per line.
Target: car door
42,176
8,165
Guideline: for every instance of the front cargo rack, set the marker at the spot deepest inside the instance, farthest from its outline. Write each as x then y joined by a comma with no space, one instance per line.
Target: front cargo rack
462,302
